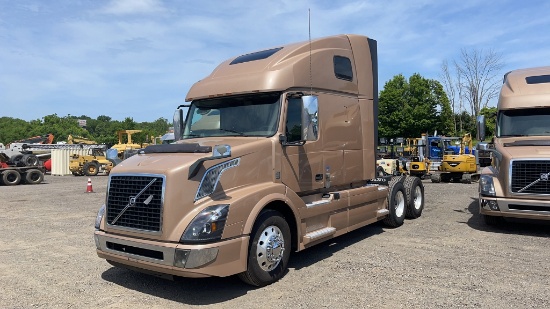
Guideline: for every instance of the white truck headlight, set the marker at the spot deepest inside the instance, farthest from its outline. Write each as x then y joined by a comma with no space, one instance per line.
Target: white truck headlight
207,226
99,217
486,185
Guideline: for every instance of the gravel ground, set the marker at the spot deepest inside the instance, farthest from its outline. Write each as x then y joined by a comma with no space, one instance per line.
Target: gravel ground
447,258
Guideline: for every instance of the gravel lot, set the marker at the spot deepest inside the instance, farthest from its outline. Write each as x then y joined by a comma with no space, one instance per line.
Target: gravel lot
447,258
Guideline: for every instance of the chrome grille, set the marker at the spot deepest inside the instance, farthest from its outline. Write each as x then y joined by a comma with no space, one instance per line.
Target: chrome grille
130,209
530,176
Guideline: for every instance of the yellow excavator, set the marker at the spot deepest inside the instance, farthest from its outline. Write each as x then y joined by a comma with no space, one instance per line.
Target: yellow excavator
458,168
419,164
80,140
128,149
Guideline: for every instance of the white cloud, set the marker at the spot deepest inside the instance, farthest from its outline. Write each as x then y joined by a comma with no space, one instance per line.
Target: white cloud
128,7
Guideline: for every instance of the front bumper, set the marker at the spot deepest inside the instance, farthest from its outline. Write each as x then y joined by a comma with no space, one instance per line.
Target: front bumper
219,259
514,208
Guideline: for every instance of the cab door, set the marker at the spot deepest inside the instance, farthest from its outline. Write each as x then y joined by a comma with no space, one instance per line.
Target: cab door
301,165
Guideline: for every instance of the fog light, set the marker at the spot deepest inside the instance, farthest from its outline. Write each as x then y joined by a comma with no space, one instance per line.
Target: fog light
96,239
198,258
180,259
494,205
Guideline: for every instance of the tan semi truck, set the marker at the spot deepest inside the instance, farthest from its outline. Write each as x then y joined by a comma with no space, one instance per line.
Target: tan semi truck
276,154
517,183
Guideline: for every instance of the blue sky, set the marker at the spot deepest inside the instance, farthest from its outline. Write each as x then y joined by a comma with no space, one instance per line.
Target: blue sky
138,58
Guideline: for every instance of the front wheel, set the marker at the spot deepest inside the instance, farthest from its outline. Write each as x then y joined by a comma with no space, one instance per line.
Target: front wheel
91,169
269,250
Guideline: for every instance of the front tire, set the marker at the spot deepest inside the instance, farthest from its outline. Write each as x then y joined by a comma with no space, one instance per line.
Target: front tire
268,251
91,169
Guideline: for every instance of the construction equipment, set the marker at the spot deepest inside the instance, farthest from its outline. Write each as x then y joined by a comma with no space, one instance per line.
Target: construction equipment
460,167
40,139
13,175
80,140
419,164
20,157
129,145
391,161
92,164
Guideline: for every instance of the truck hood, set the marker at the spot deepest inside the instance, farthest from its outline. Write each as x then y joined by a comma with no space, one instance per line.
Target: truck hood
524,147
181,198
167,162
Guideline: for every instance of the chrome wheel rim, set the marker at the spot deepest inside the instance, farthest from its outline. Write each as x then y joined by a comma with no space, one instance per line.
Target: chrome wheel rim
270,248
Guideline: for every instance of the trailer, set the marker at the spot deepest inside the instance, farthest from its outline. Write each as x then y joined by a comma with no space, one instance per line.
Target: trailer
12,175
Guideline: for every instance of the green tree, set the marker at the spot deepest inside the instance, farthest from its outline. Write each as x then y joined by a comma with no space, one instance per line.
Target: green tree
468,124
410,108
102,130
12,129
490,121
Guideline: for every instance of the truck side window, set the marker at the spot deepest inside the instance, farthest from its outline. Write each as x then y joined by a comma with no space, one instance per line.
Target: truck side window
294,120
342,68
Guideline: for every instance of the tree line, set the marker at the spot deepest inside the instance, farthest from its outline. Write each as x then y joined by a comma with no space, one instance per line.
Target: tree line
102,129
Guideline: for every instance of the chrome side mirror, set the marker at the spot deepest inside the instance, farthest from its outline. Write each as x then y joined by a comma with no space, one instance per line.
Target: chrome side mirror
310,118
480,125
178,124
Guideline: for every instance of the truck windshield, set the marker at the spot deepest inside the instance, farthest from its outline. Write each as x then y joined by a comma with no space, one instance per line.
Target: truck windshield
247,115
524,122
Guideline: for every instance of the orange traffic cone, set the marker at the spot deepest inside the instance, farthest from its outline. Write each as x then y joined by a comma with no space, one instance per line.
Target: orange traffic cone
89,188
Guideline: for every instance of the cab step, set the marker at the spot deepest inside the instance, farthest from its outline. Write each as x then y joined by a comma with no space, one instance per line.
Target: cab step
318,234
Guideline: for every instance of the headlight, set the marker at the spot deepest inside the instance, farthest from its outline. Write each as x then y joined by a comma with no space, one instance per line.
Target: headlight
207,225
486,185
99,217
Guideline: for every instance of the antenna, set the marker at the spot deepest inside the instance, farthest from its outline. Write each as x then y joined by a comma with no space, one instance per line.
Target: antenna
309,32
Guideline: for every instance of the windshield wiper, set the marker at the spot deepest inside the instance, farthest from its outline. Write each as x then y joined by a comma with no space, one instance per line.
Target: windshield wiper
232,131
190,135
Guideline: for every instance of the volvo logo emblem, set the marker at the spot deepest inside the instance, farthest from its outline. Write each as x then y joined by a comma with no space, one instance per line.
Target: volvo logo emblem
132,201
544,177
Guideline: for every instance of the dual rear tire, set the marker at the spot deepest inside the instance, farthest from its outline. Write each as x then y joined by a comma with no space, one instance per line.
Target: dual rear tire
14,177
405,200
